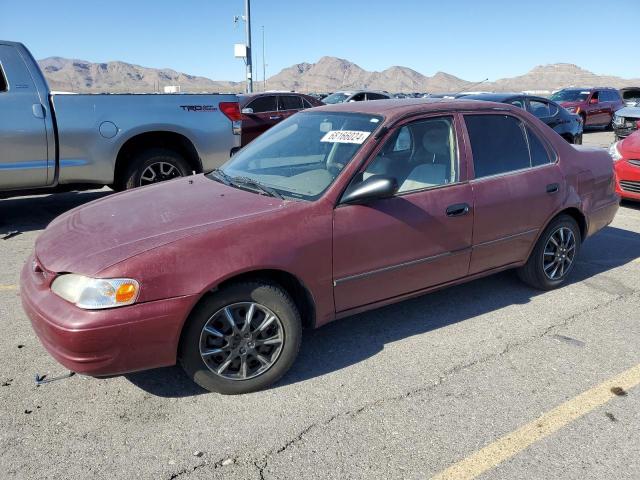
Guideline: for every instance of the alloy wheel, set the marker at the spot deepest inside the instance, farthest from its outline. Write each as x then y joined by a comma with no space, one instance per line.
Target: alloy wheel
241,341
559,253
159,172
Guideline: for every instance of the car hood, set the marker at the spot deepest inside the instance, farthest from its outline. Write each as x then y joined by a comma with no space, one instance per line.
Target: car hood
629,112
94,236
630,146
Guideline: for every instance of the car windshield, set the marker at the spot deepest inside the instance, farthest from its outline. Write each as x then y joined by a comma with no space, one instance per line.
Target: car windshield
570,96
337,97
300,157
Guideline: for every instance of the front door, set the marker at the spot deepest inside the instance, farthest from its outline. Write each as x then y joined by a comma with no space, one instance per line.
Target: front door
23,136
265,115
417,239
517,187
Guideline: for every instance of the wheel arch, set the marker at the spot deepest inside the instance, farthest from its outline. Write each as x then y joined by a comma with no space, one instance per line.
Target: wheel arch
300,293
156,139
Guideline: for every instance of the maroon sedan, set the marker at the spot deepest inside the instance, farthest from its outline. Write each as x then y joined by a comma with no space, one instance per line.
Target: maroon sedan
334,211
261,111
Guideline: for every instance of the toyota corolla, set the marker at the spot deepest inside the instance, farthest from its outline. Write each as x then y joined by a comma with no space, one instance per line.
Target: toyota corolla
334,211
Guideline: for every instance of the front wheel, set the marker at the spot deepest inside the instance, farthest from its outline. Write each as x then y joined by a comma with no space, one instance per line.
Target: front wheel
241,339
554,255
577,140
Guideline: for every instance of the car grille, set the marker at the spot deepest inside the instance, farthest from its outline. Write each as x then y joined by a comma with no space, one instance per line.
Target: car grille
629,186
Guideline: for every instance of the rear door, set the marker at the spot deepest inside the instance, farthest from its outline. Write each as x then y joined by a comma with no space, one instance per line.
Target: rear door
419,238
517,186
23,136
265,115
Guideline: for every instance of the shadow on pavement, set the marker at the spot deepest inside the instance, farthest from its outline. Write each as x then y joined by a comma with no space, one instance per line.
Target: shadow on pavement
352,340
26,214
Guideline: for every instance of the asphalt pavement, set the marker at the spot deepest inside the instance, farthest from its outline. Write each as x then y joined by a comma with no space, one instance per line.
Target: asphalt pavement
488,380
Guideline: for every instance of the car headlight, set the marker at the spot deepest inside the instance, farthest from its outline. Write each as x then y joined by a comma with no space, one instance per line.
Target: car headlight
572,109
614,151
96,293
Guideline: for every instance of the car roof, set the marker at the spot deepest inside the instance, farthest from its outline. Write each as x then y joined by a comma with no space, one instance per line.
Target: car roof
398,107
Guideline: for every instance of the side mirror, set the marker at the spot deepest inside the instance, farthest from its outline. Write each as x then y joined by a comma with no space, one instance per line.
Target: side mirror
247,111
373,188
593,101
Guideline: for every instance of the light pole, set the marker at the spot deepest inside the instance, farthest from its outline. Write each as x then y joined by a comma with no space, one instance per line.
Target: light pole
264,65
247,16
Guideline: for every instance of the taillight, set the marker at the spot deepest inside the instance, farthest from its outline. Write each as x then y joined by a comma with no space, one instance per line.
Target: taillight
232,111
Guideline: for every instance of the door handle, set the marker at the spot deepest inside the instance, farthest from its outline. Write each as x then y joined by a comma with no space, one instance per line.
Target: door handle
275,118
553,188
458,210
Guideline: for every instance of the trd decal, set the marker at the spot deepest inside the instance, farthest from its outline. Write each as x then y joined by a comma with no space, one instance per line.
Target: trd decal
198,108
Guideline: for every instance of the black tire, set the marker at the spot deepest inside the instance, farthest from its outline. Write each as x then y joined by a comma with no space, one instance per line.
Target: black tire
577,140
532,273
268,295
133,176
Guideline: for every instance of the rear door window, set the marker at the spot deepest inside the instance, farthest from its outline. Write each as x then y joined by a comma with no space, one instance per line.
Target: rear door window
539,154
375,96
290,102
357,98
539,108
498,144
267,103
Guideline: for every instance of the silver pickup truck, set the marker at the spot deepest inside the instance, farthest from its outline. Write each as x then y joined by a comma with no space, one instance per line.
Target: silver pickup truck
60,141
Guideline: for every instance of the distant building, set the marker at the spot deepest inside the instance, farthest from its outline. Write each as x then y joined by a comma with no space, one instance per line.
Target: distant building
172,89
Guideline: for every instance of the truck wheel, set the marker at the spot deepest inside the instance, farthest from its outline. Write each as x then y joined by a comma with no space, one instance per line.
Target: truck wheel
241,339
153,166
554,256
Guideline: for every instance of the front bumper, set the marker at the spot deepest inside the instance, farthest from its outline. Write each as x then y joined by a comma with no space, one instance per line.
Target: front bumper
627,180
624,131
103,342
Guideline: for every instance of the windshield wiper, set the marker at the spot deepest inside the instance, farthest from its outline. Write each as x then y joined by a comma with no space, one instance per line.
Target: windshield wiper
254,183
224,178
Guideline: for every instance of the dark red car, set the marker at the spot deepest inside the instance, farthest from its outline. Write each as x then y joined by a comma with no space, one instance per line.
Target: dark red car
261,111
626,157
332,212
596,106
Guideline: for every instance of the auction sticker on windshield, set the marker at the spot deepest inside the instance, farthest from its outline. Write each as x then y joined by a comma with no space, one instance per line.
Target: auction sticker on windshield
345,136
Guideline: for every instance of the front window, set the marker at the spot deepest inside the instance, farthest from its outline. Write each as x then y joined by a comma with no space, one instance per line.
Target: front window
570,96
337,97
302,156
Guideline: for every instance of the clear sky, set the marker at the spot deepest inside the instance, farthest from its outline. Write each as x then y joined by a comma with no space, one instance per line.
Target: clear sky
472,39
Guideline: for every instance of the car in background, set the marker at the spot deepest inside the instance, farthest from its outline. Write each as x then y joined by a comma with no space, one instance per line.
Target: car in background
631,96
626,121
355,96
335,211
626,158
568,125
596,106
261,111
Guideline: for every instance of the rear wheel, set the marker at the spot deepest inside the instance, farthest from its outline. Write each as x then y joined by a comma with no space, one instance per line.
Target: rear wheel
554,256
153,166
577,140
242,338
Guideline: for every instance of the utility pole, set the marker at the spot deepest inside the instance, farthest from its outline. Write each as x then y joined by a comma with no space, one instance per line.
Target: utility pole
247,16
264,65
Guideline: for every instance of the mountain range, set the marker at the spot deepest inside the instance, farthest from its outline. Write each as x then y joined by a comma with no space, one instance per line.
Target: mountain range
327,75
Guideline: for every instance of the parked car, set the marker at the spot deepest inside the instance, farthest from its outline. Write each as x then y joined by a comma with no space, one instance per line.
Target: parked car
334,211
626,121
596,106
626,158
567,125
631,96
261,111
61,141
355,96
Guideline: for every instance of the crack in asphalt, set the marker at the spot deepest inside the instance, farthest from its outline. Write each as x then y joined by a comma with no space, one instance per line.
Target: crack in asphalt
440,380
189,471
262,463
